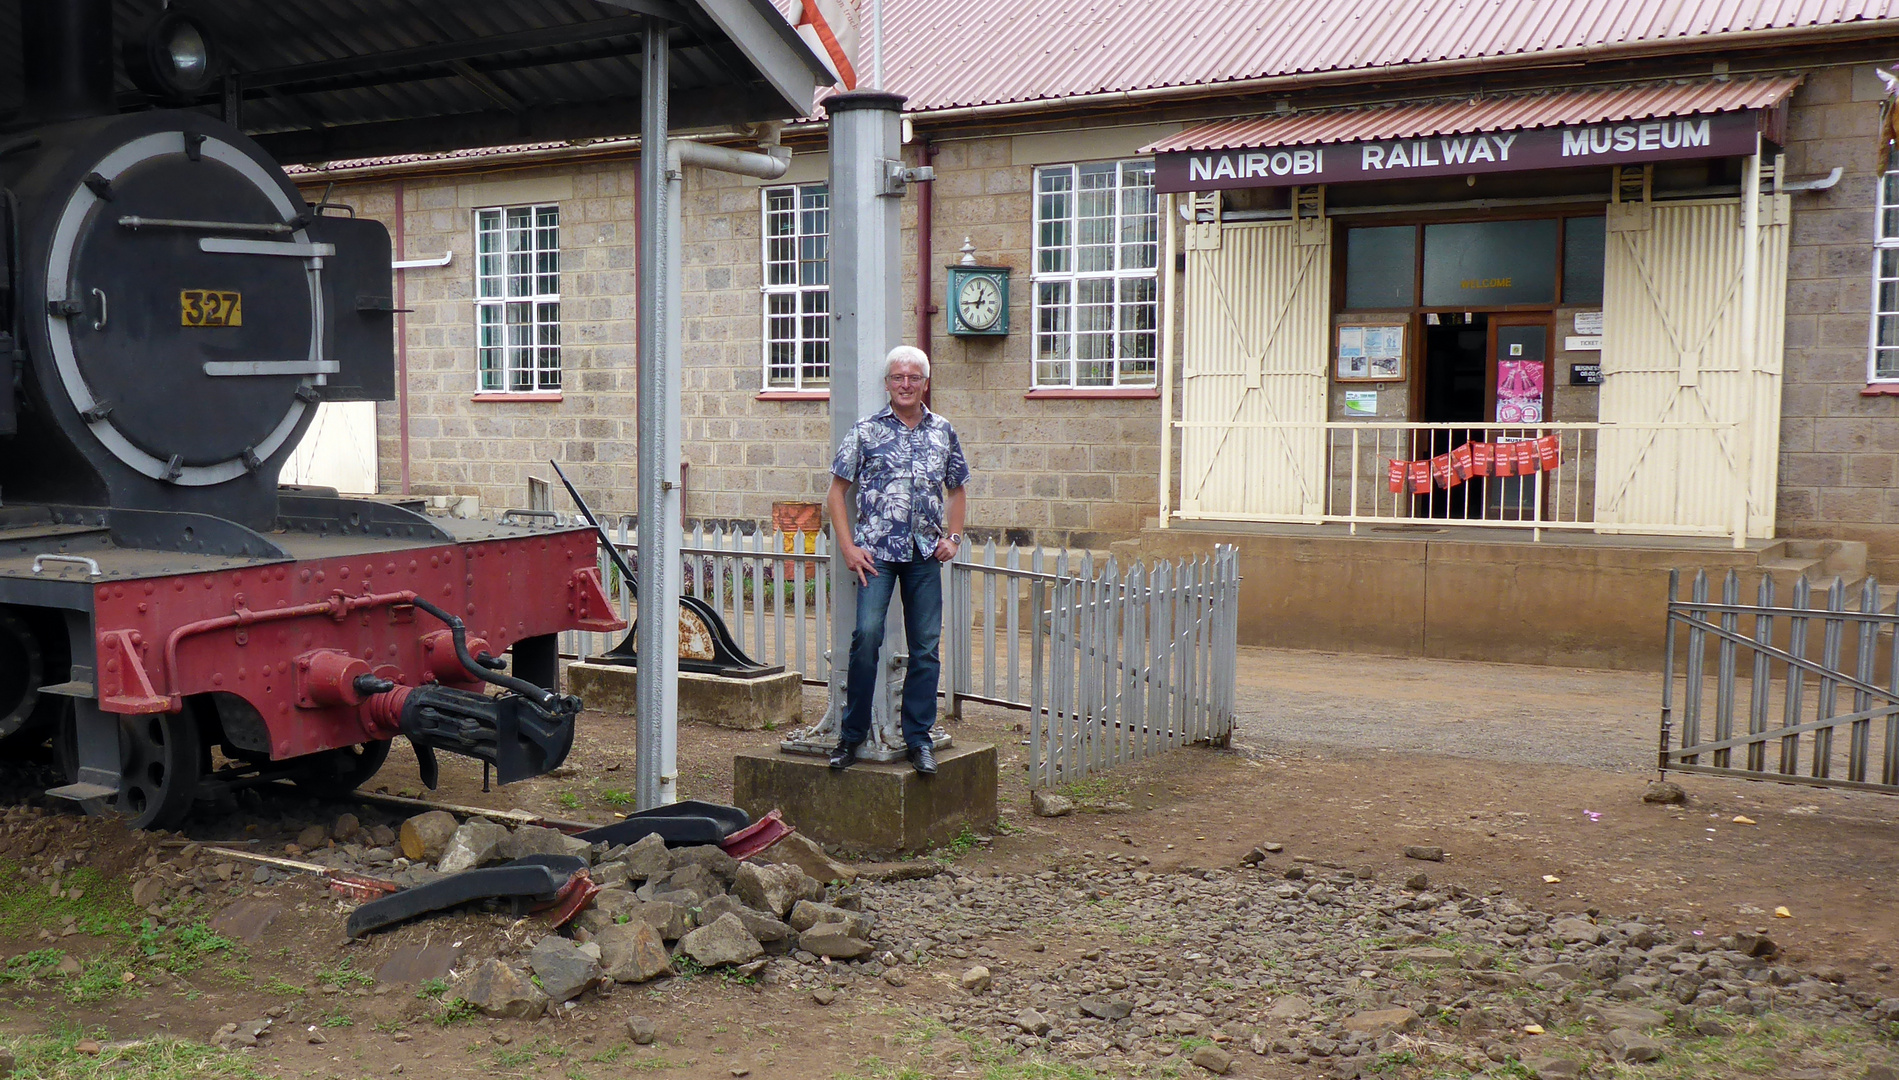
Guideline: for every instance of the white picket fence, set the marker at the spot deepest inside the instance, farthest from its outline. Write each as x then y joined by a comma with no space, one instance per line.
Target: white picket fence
1112,665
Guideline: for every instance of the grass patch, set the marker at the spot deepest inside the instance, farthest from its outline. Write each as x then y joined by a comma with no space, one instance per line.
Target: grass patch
978,1057
568,800
1769,1046
615,796
509,1058
444,1010
54,1058
27,967
1094,789
344,976
103,909
962,844
97,981
183,950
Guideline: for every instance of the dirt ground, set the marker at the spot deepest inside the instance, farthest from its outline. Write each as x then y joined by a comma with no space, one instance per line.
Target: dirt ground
1530,779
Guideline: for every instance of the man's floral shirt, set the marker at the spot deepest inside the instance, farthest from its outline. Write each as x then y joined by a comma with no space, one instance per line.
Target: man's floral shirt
900,475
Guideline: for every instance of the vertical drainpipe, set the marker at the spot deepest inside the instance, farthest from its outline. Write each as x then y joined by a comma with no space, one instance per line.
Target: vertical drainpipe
1166,355
926,153
1750,327
402,331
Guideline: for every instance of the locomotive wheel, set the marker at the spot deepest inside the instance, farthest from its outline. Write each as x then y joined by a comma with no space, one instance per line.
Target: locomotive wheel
161,759
26,665
22,673
335,773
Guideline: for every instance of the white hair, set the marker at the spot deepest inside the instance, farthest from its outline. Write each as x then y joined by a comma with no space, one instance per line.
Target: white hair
907,354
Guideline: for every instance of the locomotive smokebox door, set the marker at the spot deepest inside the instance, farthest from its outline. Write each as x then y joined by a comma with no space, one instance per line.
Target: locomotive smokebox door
196,336
359,309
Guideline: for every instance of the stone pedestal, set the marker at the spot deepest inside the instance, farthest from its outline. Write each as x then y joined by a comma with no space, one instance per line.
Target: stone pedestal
769,701
871,808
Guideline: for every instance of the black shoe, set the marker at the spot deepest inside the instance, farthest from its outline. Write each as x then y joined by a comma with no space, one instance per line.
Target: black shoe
923,759
845,755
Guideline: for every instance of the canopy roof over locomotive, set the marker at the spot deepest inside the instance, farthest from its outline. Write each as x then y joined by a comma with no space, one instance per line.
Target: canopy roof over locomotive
320,80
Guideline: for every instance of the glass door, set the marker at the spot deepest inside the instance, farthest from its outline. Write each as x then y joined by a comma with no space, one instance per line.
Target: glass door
1519,395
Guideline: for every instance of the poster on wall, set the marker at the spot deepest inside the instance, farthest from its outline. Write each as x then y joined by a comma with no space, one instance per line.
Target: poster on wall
1519,391
1370,353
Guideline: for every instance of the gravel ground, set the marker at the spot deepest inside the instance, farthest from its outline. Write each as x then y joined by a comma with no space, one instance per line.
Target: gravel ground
1492,712
1110,966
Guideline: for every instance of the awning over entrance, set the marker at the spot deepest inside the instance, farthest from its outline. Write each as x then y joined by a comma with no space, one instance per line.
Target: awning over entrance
1558,129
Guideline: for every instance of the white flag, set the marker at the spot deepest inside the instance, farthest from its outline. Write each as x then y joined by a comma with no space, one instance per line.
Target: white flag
830,27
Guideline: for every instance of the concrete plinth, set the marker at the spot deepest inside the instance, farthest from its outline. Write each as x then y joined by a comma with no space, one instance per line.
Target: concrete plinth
769,701
870,808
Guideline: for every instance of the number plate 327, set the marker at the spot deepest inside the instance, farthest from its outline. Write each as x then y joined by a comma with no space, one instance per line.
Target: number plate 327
210,307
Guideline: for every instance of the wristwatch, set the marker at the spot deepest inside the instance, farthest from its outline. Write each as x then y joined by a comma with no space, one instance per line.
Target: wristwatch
955,538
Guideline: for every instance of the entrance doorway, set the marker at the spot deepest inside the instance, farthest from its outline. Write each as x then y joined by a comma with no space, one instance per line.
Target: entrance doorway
1483,368
1457,389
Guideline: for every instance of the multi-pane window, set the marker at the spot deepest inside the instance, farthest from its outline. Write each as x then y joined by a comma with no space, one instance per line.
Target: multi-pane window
1097,246
517,298
797,287
1883,364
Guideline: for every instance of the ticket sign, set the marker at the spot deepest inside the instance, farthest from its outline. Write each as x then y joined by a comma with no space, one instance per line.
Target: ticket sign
1729,134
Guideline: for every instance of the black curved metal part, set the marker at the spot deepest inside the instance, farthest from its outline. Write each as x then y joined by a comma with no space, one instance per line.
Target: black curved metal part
682,824
729,658
524,883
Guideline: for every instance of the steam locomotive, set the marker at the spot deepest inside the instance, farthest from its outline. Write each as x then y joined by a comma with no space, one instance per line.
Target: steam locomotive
171,314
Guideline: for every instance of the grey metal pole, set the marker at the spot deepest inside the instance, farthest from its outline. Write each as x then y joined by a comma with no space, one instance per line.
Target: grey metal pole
866,305
656,681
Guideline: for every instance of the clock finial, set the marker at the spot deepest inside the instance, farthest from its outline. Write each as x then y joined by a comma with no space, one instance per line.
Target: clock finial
969,252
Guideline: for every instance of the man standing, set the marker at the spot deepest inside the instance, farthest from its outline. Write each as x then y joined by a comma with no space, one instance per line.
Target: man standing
903,460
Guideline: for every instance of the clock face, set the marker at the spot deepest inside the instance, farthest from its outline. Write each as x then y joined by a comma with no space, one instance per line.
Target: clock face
979,302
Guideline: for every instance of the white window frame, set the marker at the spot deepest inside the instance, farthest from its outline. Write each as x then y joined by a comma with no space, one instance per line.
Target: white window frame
795,283
1885,293
517,307
1060,284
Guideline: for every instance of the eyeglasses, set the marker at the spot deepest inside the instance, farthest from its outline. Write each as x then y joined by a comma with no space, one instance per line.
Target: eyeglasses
906,380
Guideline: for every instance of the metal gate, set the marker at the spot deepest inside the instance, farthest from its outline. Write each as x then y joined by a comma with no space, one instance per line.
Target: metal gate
1119,664
1760,686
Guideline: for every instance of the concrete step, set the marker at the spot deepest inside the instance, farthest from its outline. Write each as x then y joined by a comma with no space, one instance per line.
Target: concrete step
1841,557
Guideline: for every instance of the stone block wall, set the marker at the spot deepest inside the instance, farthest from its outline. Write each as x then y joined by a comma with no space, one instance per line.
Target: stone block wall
1839,445
1057,470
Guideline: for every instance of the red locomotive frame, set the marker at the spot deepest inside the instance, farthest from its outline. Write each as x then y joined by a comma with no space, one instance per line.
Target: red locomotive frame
292,638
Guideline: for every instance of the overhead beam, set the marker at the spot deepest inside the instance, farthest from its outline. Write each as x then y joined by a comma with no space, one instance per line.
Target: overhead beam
487,86
761,33
471,49
701,108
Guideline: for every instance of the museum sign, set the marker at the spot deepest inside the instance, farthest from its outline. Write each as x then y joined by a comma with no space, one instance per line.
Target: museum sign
1725,134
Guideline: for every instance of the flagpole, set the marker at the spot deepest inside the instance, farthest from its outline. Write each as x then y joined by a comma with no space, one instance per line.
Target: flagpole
876,44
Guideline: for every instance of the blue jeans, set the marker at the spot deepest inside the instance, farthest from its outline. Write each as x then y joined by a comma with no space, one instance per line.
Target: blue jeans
922,585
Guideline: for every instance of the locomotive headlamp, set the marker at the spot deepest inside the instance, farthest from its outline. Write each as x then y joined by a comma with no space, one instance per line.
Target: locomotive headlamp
174,58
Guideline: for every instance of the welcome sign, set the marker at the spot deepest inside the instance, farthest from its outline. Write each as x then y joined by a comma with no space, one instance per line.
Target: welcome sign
1729,134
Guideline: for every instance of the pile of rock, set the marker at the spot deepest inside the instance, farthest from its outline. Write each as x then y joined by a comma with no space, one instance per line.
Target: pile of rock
659,909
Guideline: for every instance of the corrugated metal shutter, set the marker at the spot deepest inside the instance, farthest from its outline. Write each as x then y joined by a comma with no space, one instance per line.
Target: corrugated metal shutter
1254,348
1674,352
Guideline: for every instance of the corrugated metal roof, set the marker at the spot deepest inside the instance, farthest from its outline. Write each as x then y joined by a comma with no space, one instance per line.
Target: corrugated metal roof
979,52
334,78
1504,113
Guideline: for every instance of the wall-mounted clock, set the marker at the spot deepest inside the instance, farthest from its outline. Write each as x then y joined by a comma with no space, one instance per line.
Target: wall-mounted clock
978,301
